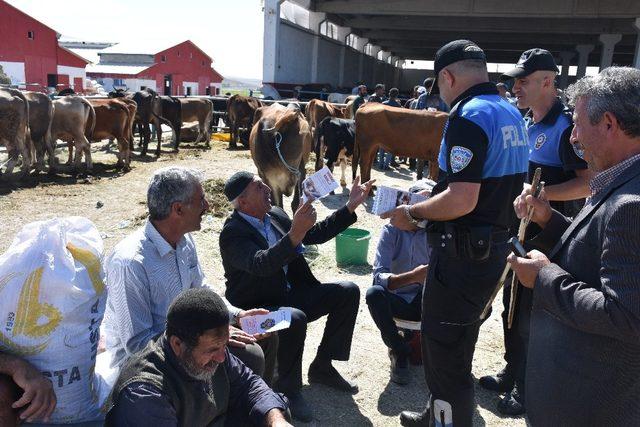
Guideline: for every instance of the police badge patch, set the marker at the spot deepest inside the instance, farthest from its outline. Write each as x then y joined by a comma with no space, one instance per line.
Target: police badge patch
540,140
460,158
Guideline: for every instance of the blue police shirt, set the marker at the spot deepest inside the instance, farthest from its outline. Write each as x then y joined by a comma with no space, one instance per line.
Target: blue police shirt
485,141
551,150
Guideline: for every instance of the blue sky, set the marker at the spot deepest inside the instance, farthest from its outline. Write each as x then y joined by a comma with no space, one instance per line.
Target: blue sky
229,31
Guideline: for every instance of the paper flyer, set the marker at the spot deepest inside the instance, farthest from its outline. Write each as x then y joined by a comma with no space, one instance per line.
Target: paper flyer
263,323
318,185
388,198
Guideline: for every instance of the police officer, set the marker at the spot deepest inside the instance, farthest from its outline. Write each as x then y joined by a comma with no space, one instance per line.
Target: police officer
483,162
549,124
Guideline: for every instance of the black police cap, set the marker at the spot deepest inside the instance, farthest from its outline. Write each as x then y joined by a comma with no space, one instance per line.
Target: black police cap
531,61
236,184
452,52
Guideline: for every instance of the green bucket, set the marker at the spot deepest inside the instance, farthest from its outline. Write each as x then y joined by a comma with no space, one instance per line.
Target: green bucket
352,246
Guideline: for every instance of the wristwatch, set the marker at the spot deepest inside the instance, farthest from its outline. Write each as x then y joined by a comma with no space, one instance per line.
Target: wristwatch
418,222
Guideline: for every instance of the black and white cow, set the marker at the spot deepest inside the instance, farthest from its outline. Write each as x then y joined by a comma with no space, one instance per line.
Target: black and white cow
337,136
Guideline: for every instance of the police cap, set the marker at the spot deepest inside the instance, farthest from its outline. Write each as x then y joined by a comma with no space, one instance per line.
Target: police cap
531,61
452,52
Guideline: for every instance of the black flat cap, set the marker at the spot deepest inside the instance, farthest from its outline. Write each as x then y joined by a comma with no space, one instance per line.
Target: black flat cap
452,52
236,184
531,61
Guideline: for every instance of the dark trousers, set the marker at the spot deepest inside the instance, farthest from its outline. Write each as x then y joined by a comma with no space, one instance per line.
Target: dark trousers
455,293
339,301
384,306
260,357
514,346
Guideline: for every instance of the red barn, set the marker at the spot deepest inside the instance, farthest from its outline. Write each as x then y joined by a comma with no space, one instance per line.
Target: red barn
181,69
31,56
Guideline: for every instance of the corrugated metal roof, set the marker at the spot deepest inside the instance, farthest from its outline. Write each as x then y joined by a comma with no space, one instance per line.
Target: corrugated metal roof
115,69
141,47
90,55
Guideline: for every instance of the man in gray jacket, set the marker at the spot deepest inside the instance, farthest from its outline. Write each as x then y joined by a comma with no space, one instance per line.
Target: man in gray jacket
584,347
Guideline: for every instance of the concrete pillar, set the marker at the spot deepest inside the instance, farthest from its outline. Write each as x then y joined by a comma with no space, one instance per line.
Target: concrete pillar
608,42
360,44
343,32
385,56
270,40
375,50
583,58
636,57
566,57
315,19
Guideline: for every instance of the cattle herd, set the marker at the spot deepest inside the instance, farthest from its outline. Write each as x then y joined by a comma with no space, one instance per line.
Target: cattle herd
281,136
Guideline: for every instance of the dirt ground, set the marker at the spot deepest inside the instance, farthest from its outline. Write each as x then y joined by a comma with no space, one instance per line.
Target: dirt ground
115,202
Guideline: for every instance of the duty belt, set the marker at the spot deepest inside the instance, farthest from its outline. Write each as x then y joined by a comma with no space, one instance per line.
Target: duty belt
472,242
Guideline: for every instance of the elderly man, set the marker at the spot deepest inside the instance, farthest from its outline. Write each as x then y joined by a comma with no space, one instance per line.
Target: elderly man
584,343
261,252
150,267
483,159
187,377
566,178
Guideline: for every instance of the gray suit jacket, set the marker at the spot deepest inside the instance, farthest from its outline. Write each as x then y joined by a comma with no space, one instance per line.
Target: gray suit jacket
584,348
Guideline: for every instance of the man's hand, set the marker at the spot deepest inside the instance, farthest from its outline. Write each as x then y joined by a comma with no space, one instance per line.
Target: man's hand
38,399
275,418
254,312
420,273
359,193
303,219
399,218
541,207
239,338
527,268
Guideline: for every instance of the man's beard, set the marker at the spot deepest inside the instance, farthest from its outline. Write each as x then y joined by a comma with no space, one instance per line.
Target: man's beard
197,372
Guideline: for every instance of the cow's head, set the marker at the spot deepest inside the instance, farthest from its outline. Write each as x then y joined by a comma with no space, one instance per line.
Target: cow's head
118,93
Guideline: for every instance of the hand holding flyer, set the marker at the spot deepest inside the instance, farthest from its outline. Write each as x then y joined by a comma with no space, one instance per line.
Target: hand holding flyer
388,198
265,323
318,185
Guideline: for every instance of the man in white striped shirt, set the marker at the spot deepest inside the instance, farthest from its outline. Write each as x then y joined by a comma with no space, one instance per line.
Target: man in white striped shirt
150,267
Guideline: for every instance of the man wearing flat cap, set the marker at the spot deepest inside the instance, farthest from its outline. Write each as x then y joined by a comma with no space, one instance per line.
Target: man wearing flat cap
549,124
261,250
483,161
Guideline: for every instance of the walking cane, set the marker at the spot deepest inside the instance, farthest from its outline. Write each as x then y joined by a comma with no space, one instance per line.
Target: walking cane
537,187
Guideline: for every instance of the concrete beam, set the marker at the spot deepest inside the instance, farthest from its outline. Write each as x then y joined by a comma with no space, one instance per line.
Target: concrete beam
461,24
566,58
583,58
361,43
374,50
315,19
608,42
385,56
541,8
343,32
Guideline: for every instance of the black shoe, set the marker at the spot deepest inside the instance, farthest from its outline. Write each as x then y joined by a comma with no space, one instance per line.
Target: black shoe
399,368
299,407
502,382
414,419
512,403
325,373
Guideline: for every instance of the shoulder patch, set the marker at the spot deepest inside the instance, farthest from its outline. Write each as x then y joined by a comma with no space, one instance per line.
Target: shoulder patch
540,140
460,158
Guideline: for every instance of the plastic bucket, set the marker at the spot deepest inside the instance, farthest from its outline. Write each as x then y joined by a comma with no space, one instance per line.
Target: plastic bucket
352,246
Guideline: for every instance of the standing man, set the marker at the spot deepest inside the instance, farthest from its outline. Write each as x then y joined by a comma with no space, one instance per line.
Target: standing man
549,124
483,161
262,256
378,95
584,348
149,268
362,92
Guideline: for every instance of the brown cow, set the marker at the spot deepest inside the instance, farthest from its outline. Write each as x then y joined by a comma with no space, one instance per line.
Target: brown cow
240,113
40,117
280,144
403,132
198,110
73,120
113,120
14,128
317,111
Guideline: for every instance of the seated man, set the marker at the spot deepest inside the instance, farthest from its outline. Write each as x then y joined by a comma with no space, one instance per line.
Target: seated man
187,376
263,263
150,267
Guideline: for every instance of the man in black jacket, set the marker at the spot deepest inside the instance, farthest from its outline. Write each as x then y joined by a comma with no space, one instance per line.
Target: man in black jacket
261,250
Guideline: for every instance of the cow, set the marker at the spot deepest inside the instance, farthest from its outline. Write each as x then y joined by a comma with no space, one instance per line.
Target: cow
280,143
240,112
171,115
148,111
338,137
40,117
316,112
198,110
14,129
403,132
113,120
73,122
